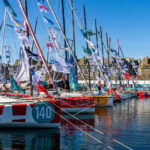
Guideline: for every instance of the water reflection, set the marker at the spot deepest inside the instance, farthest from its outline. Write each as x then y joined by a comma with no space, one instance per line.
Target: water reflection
127,122
82,121
26,139
103,115
72,136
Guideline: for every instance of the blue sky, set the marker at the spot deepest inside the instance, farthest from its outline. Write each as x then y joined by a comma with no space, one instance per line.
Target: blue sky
126,20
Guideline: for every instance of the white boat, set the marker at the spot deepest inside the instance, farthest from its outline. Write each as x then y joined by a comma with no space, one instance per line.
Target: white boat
29,113
127,95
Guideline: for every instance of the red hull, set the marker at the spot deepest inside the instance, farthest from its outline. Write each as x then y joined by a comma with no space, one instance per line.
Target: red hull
79,102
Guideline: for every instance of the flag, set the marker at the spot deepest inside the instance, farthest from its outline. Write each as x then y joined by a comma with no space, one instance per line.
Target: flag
60,61
53,61
38,86
63,62
16,22
31,54
47,20
87,33
25,43
92,46
57,46
7,51
114,52
58,65
60,68
7,4
50,46
19,23
43,8
21,35
15,86
52,32
87,51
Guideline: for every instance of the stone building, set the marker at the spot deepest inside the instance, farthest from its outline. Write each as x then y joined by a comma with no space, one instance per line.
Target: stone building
144,69
84,65
85,69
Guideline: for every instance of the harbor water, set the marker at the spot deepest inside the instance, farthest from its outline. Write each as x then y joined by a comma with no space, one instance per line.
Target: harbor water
124,126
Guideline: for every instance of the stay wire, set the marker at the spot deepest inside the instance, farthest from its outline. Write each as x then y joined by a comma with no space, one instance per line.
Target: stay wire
100,142
93,129
75,13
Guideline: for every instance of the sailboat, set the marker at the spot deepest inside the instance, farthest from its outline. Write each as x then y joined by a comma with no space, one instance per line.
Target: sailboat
19,110
100,100
65,104
73,102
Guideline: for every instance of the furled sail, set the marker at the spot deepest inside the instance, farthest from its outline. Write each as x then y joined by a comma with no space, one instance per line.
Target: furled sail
23,67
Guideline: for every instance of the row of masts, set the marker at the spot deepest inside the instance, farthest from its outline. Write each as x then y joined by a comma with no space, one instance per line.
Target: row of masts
108,39
66,43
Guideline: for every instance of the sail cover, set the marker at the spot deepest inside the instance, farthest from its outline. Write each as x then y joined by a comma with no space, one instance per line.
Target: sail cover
23,67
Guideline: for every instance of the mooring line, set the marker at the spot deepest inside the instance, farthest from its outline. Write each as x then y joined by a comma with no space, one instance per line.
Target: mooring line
95,129
122,144
88,126
100,142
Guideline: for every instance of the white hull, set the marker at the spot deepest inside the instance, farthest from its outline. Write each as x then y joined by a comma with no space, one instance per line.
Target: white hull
29,113
127,95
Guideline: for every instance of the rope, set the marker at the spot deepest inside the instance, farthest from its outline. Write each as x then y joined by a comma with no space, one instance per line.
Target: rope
100,142
75,13
91,128
122,144
83,110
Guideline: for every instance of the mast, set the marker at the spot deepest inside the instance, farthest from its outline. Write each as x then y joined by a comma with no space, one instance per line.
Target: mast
1,25
27,33
68,44
119,64
64,26
36,44
107,43
101,36
96,36
74,46
3,33
85,26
